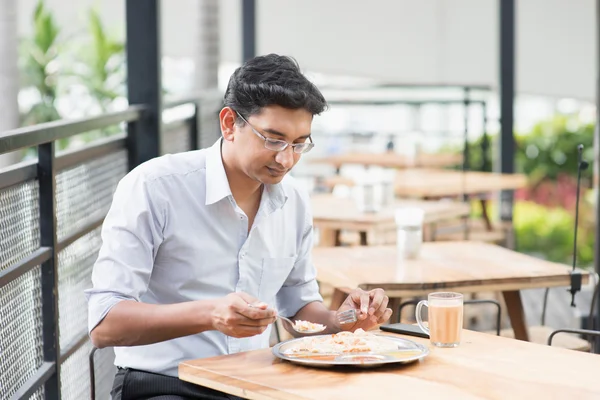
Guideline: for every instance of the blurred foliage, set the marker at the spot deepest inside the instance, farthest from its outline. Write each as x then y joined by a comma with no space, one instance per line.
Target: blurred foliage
94,61
544,211
548,156
103,59
549,233
548,151
101,70
39,66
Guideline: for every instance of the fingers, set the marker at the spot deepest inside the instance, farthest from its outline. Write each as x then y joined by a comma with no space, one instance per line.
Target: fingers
248,299
364,303
247,331
379,302
252,308
255,313
256,322
249,311
372,304
385,316
242,315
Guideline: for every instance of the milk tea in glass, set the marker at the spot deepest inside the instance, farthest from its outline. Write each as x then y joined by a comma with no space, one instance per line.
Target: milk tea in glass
445,318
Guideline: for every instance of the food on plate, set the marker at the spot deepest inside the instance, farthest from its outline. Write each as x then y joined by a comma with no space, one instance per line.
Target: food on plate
307,326
343,343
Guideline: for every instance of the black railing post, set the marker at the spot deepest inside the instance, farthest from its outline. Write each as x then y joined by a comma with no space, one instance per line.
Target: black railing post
248,29
194,139
466,103
144,78
485,142
49,269
507,94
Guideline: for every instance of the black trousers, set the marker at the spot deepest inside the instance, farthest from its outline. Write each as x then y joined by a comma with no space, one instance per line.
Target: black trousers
132,384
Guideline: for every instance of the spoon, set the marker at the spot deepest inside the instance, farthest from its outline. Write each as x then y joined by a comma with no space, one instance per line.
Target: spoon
317,329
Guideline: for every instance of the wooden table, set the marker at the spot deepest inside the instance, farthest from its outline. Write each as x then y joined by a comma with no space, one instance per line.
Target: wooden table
466,267
332,214
428,183
391,160
436,183
483,367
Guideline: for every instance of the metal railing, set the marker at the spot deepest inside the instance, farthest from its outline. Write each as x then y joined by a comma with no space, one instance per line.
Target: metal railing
51,211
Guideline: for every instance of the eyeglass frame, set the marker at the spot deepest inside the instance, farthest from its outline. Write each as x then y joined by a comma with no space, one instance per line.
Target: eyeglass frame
270,140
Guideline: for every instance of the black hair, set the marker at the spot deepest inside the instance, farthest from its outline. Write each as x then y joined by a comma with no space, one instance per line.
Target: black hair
271,80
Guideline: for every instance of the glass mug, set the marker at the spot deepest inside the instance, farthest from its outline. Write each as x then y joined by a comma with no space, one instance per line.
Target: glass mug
445,318
409,228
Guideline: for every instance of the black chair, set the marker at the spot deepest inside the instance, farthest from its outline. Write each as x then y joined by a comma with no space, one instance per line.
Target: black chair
102,371
543,334
92,374
587,333
466,303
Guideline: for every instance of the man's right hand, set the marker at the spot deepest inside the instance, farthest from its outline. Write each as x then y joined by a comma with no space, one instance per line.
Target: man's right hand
234,316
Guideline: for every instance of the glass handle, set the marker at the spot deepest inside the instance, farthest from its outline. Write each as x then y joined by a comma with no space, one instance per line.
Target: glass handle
418,315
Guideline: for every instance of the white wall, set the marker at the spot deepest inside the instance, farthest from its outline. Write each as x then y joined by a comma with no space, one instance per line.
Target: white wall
406,41
432,41
557,47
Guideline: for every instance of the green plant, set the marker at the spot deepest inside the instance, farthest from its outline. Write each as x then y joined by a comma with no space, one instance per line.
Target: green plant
103,59
548,233
547,151
550,149
40,69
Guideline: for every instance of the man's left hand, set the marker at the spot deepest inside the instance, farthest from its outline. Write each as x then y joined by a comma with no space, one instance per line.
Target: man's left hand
371,309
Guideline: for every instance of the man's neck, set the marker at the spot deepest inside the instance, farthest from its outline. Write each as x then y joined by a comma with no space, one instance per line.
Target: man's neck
243,188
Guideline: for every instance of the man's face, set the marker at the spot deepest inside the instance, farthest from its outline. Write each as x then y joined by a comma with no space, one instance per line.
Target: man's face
273,122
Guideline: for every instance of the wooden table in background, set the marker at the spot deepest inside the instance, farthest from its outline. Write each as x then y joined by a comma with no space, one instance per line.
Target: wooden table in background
434,183
484,366
391,160
424,183
332,214
466,267
428,183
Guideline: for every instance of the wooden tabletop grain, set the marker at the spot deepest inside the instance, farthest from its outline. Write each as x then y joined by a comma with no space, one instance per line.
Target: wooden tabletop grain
484,366
391,160
431,183
438,183
330,208
467,266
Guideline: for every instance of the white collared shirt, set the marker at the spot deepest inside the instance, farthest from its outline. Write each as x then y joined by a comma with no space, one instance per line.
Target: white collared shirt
174,233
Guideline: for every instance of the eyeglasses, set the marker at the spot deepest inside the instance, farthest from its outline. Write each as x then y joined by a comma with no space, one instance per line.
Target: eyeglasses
280,145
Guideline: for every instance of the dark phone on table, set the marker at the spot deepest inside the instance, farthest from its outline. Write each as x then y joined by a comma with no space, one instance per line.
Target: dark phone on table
405,329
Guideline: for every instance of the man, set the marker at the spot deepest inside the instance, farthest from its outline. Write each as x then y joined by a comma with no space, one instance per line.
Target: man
201,250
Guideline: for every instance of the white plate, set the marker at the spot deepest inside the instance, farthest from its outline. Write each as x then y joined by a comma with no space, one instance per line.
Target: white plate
408,351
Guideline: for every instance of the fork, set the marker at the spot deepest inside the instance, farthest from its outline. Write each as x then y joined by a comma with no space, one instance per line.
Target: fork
347,317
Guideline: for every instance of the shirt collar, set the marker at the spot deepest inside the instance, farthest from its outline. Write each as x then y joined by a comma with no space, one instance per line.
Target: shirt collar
276,197
217,184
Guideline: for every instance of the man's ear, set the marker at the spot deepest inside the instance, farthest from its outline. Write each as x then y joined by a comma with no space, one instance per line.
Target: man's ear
227,119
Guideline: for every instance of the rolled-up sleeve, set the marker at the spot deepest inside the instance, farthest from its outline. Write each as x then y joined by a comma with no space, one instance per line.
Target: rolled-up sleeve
131,236
301,287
